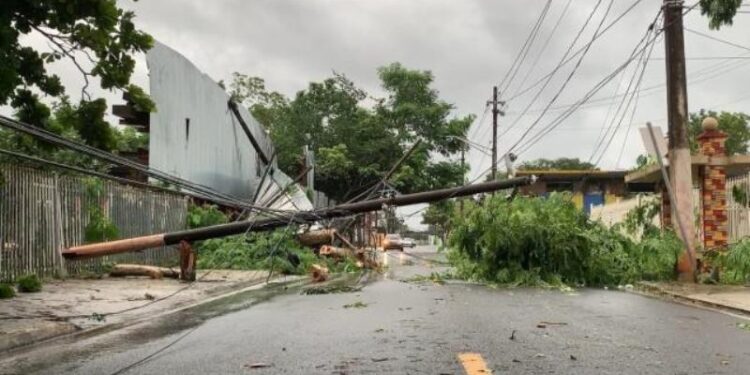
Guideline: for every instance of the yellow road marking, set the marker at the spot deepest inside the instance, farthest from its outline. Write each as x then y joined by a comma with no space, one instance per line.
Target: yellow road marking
473,364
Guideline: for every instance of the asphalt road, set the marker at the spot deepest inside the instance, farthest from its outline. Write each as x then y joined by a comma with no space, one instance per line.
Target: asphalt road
395,325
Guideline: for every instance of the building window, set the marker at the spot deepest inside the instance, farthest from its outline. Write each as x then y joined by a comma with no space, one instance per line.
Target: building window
187,129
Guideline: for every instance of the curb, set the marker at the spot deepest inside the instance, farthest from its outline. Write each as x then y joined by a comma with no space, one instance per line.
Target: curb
650,290
47,338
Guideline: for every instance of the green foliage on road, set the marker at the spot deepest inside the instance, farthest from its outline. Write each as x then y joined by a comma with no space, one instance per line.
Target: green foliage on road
538,241
29,284
256,251
278,250
356,137
7,291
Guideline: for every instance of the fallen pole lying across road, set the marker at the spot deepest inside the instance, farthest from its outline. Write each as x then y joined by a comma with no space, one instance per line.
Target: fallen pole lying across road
190,235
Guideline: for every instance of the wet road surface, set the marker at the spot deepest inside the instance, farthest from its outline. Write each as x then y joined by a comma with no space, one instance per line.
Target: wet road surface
396,325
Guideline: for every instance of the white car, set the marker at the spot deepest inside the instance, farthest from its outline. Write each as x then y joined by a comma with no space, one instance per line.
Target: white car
408,242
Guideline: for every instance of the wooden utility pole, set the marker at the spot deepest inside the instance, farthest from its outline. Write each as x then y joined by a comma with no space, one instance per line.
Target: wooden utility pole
495,112
679,148
463,173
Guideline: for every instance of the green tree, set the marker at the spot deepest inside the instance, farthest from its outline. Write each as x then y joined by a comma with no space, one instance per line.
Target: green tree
96,36
560,163
643,161
355,144
734,124
439,216
720,12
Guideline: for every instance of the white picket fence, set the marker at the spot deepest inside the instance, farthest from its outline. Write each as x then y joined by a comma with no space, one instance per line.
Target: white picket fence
42,212
739,213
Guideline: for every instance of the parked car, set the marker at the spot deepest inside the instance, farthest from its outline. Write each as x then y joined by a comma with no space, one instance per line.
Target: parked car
393,242
408,242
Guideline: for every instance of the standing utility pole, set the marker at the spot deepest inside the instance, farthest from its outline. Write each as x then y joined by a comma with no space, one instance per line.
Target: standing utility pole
679,148
463,181
495,113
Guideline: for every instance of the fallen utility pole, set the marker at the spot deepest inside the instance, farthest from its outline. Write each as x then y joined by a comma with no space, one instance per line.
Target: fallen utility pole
187,236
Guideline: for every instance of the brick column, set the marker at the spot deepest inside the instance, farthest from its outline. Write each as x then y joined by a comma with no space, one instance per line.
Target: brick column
713,187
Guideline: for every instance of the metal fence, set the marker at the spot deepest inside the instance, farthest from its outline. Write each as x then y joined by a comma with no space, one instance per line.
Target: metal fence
42,212
738,212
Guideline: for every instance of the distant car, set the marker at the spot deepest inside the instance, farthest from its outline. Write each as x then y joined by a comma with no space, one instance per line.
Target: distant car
408,242
393,242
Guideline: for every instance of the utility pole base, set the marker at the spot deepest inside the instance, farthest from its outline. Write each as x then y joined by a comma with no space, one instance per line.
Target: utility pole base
187,262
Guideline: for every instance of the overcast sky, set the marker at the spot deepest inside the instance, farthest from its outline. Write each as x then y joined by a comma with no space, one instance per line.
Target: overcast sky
469,45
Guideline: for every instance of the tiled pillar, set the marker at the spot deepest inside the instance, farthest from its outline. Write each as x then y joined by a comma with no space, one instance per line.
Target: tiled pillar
713,187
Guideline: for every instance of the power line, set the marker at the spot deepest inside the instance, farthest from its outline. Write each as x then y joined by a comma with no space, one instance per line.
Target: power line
567,80
545,44
90,172
633,78
635,106
642,45
521,56
201,190
717,39
559,65
713,71
579,51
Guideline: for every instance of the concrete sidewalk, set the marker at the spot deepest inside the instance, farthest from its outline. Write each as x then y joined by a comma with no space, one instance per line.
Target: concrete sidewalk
76,305
726,297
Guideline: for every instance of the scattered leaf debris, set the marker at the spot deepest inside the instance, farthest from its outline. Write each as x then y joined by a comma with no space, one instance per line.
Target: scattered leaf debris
257,365
355,305
331,289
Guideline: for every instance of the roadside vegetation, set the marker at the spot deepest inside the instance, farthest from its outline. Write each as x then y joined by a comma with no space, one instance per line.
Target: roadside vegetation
7,291
29,284
277,250
538,241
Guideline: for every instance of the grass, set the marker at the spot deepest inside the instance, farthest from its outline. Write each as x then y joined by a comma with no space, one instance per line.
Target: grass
29,284
7,291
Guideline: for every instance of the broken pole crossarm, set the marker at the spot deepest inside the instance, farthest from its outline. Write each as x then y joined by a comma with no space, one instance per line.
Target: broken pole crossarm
190,235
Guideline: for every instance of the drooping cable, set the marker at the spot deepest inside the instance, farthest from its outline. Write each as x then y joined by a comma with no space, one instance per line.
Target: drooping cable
521,56
576,53
567,80
559,65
